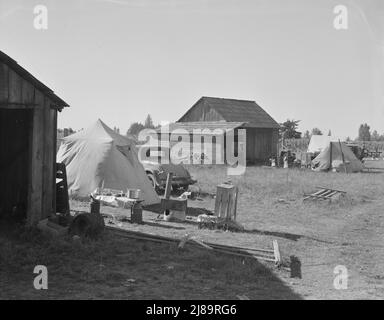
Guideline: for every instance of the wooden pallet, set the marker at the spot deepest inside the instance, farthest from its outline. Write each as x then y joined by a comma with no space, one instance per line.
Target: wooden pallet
324,194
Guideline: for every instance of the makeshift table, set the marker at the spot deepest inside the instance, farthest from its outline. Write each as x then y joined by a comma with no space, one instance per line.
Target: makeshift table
126,203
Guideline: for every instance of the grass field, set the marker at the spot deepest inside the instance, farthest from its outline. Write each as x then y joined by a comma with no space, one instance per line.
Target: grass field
322,235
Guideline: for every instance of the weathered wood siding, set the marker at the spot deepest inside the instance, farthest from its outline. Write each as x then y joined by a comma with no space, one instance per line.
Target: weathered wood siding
261,144
17,93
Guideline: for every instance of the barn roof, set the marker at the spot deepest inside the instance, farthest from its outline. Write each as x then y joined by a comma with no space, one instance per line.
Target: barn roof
4,58
233,110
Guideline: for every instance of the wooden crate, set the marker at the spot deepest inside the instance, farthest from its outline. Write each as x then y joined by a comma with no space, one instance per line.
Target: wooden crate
226,201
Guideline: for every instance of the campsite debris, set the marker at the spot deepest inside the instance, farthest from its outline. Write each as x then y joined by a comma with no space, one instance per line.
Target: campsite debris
137,212
76,239
212,222
117,198
87,224
242,297
207,222
172,209
230,225
128,282
185,195
226,201
52,228
202,244
324,194
295,267
225,210
276,252
270,255
183,241
95,205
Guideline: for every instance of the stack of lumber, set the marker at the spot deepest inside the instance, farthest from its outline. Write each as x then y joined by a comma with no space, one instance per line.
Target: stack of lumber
325,194
270,255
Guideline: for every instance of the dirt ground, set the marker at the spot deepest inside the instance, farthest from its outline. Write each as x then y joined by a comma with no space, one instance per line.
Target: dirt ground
322,235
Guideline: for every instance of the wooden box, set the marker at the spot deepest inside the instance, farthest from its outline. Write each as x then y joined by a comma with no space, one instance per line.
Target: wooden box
226,201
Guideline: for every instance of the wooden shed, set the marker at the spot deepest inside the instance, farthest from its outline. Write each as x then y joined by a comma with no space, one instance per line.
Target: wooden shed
262,131
28,124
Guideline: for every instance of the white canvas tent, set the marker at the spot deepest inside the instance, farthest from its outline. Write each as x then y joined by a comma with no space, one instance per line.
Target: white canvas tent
99,157
337,155
319,142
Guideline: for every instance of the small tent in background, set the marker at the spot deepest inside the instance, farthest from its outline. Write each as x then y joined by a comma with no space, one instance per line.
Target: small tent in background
99,157
337,155
319,142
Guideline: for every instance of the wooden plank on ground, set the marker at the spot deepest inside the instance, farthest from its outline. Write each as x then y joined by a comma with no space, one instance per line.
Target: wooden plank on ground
276,252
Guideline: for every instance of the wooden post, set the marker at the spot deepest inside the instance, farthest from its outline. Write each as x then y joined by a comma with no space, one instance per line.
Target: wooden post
226,201
167,194
168,186
276,252
330,155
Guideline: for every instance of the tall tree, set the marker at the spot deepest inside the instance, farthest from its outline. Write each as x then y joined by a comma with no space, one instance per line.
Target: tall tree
135,128
148,123
289,129
364,132
316,132
375,136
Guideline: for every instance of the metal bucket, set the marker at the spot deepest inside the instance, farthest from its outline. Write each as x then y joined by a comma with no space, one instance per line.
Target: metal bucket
133,193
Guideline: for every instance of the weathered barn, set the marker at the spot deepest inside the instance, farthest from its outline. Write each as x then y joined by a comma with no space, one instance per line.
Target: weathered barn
28,124
262,131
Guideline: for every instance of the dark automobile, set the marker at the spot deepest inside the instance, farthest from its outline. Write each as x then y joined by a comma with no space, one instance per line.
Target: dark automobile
157,173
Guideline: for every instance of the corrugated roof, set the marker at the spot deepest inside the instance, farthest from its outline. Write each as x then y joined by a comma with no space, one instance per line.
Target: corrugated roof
4,58
201,125
233,110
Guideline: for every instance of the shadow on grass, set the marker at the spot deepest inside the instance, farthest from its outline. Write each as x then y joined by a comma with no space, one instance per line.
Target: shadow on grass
285,235
197,273
115,267
154,224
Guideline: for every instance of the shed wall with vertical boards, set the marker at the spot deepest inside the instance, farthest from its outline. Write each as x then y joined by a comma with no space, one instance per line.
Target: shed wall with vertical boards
28,129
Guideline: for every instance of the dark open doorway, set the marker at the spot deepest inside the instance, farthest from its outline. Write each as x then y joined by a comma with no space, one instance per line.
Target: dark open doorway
15,162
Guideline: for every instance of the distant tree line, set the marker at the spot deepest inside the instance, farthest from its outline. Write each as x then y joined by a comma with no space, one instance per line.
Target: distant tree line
289,130
365,134
65,132
136,127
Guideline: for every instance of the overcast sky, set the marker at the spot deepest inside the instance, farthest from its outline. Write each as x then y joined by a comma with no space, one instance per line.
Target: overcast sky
119,60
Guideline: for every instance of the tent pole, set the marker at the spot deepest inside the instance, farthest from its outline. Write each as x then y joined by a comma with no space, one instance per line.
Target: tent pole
330,155
342,157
